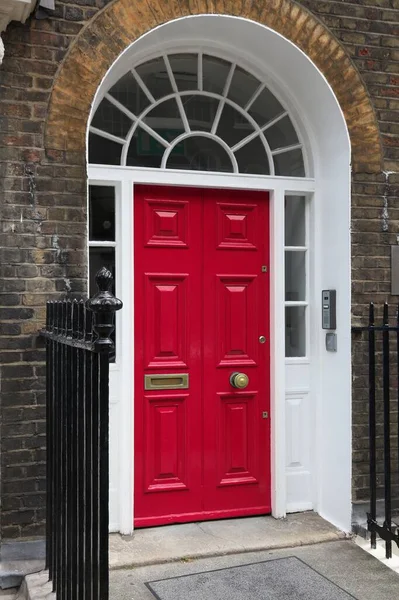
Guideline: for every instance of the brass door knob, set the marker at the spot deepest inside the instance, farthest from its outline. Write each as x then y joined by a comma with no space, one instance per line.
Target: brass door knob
239,380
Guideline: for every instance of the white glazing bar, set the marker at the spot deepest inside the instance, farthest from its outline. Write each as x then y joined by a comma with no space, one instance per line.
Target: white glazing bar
143,86
296,248
274,121
106,135
205,134
256,94
286,149
99,244
121,107
223,99
154,134
200,75
125,149
245,141
297,303
178,99
268,153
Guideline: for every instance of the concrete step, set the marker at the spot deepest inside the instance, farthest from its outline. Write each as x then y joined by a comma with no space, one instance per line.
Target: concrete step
157,545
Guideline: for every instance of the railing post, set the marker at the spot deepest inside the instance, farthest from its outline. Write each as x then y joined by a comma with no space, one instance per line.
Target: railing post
372,425
387,430
103,305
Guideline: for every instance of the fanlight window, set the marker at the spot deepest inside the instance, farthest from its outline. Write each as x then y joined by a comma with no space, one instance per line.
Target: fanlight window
196,112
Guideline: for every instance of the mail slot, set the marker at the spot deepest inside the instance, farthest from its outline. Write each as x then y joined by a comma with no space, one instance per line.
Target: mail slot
167,381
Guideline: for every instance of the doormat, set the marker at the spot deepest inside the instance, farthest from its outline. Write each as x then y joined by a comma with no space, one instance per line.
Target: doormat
279,579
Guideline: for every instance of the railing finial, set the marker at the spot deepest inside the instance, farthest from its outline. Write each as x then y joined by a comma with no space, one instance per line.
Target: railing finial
104,305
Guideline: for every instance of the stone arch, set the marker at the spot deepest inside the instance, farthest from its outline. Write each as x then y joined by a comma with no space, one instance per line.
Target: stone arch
122,22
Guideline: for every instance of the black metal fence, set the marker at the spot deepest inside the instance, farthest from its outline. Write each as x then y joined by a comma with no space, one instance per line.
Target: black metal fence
383,409
78,344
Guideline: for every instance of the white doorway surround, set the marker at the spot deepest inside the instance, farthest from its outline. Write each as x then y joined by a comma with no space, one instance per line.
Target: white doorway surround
311,394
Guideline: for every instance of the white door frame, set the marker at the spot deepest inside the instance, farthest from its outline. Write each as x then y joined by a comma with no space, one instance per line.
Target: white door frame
124,178
315,391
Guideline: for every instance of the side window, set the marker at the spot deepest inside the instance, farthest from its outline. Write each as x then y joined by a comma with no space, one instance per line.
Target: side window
296,276
101,234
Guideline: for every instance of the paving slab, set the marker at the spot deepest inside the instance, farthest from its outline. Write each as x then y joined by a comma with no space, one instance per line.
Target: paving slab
342,563
214,538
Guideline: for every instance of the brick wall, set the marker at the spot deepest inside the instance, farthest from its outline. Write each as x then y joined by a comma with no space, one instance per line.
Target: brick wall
43,228
43,223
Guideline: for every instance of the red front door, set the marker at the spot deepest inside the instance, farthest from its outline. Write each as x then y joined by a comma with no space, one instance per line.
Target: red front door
202,446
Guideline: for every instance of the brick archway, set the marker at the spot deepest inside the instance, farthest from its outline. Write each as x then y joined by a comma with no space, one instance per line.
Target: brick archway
122,22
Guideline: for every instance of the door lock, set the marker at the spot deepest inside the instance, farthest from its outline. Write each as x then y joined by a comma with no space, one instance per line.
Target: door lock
239,380
262,339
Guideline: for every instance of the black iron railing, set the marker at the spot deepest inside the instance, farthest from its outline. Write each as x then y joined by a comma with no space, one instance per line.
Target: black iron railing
78,344
383,405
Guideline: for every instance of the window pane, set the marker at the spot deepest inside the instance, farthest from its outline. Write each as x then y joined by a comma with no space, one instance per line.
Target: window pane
295,276
185,70
243,86
295,231
165,119
295,331
265,108
155,77
144,150
289,164
110,119
200,111
282,134
214,73
98,258
252,158
233,126
103,151
200,154
101,213
128,92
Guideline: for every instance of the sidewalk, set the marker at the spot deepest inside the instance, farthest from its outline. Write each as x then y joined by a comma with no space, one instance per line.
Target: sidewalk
222,546
341,563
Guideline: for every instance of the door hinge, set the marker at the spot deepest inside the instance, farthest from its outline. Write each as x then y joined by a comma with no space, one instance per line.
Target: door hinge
265,414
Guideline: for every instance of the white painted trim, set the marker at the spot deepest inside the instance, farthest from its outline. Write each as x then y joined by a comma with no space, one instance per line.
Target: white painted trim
126,333
292,185
277,354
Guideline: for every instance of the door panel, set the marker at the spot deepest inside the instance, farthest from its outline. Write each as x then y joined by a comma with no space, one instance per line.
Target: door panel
201,303
165,438
168,334
236,320
236,308
236,450
166,318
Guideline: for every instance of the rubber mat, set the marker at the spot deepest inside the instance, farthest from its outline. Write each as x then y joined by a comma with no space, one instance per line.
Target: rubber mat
279,579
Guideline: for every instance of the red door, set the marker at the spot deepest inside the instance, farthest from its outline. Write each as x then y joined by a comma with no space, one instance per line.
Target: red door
202,446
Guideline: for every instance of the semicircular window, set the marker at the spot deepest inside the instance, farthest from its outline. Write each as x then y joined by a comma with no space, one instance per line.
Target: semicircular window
194,111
